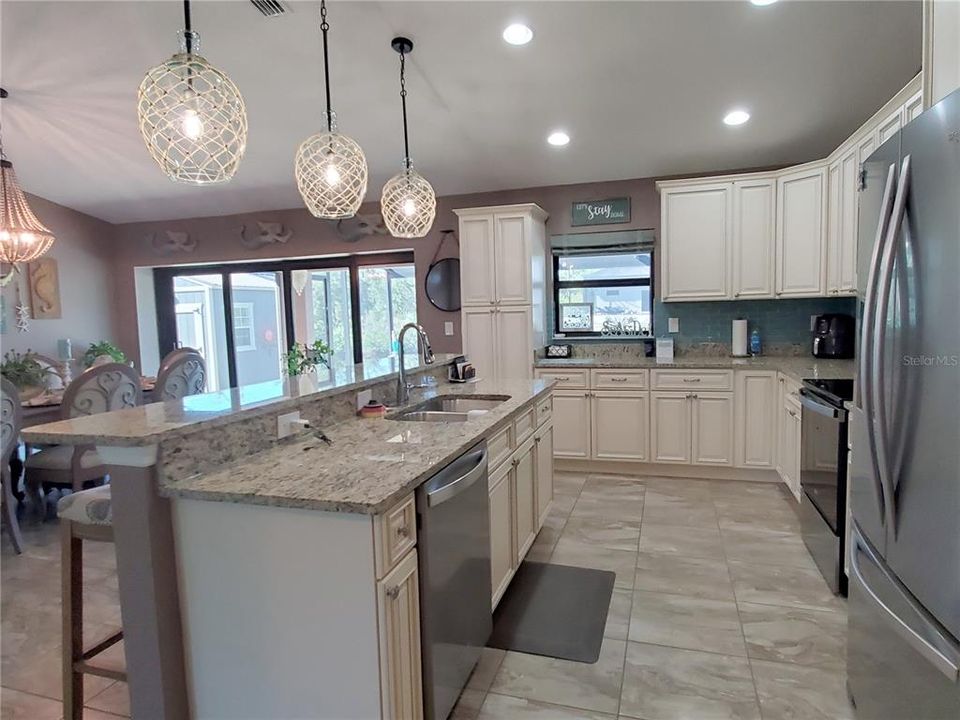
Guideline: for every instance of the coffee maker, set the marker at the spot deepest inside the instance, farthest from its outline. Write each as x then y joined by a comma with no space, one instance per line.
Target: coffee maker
833,336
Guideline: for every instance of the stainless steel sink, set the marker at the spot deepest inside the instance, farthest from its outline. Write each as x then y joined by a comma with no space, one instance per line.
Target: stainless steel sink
448,408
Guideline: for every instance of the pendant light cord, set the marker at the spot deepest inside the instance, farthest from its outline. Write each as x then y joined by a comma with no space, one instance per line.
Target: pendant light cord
3,156
403,100
324,29
187,27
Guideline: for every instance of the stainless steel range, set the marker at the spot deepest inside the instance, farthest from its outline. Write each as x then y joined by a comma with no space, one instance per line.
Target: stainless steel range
823,476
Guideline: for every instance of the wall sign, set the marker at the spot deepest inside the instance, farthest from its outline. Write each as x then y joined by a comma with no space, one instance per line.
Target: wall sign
601,212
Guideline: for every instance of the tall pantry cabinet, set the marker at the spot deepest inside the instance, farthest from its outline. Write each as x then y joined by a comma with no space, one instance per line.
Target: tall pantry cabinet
503,277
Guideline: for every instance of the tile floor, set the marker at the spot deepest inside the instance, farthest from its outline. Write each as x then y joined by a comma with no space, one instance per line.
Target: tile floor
717,612
30,679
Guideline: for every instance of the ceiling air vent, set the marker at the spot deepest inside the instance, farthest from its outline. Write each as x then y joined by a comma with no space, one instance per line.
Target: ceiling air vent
270,8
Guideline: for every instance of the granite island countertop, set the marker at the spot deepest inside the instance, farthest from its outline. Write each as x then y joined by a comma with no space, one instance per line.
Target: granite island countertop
369,465
163,421
796,367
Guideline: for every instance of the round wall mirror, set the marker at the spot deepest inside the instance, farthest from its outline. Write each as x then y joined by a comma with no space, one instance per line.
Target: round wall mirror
443,284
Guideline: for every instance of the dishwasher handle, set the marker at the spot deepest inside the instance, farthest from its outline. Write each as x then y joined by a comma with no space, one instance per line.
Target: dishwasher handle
449,490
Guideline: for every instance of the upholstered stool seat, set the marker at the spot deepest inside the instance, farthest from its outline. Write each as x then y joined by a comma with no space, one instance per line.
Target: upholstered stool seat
87,507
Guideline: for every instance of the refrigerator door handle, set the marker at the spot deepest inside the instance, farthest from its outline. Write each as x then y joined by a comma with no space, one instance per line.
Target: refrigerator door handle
864,384
931,654
885,281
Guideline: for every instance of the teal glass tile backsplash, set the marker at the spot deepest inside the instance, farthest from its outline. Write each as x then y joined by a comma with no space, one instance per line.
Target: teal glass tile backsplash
779,321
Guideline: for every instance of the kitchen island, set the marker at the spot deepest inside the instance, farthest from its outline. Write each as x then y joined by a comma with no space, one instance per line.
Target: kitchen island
278,578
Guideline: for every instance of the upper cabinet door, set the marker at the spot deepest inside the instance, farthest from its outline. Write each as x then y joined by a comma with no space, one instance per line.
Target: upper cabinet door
913,107
801,231
843,181
480,339
754,208
890,125
477,268
514,343
696,241
512,259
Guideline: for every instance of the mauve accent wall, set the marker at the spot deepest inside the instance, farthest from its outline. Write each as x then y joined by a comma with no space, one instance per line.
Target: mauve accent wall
84,254
218,240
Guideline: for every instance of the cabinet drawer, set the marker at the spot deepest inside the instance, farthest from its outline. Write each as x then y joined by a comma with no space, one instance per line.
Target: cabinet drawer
619,379
525,424
544,410
566,378
499,447
395,532
693,379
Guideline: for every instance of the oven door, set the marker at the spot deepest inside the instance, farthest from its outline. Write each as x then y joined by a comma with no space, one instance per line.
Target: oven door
823,458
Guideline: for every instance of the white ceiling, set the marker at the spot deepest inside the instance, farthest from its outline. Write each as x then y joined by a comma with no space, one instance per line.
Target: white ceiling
640,86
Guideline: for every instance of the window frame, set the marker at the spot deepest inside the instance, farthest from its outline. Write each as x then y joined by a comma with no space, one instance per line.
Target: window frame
247,307
165,298
559,285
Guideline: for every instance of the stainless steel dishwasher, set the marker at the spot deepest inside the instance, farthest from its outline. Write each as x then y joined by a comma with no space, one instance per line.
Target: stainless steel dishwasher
454,545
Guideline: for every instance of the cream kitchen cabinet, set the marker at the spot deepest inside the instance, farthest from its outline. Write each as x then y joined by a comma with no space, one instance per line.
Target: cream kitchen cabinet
843,179
398,603
619,422
801,232
571,424
913,107
753,242
788,464
503,279
501,530
755,427
525,498
670,427
497,340
696,223
890,126
712,429
544,452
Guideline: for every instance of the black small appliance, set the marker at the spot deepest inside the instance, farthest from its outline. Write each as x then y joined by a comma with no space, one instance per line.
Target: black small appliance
833,336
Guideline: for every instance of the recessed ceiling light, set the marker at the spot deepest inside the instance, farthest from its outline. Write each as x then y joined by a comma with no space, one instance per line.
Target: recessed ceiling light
558,138
762,3
736,117
517,34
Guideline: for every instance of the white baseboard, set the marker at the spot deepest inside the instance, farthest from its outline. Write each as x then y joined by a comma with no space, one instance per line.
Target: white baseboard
700,472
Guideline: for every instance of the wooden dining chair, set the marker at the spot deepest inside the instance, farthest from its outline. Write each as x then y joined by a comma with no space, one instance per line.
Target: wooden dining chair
183,372
11,420
99,389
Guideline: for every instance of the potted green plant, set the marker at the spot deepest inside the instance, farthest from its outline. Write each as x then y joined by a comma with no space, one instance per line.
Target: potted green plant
102,348
26,372
303,359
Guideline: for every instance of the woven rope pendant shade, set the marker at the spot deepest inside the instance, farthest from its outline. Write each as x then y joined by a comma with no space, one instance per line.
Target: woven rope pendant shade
331,172
408,204
192,119
23,238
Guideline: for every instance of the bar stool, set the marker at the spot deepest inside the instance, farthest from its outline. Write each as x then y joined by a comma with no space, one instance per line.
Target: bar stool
84,515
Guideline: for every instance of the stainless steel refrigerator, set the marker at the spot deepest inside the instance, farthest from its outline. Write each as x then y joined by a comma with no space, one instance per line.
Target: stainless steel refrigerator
903,658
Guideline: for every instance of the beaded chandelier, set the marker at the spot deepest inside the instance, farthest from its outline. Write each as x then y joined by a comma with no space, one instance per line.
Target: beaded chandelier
408,202
192,116
23,238
330,168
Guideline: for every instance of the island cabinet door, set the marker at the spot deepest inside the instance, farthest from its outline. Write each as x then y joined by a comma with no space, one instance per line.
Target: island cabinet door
670,427
398,600
501,530
544,440
571,424
620,425
525,497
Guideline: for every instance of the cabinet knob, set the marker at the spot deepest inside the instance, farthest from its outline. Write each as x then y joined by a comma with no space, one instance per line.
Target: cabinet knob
403,531
393,592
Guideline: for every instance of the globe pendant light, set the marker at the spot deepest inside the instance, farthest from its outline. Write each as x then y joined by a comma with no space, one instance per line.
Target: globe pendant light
330,168
192,116
23,238
408,202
